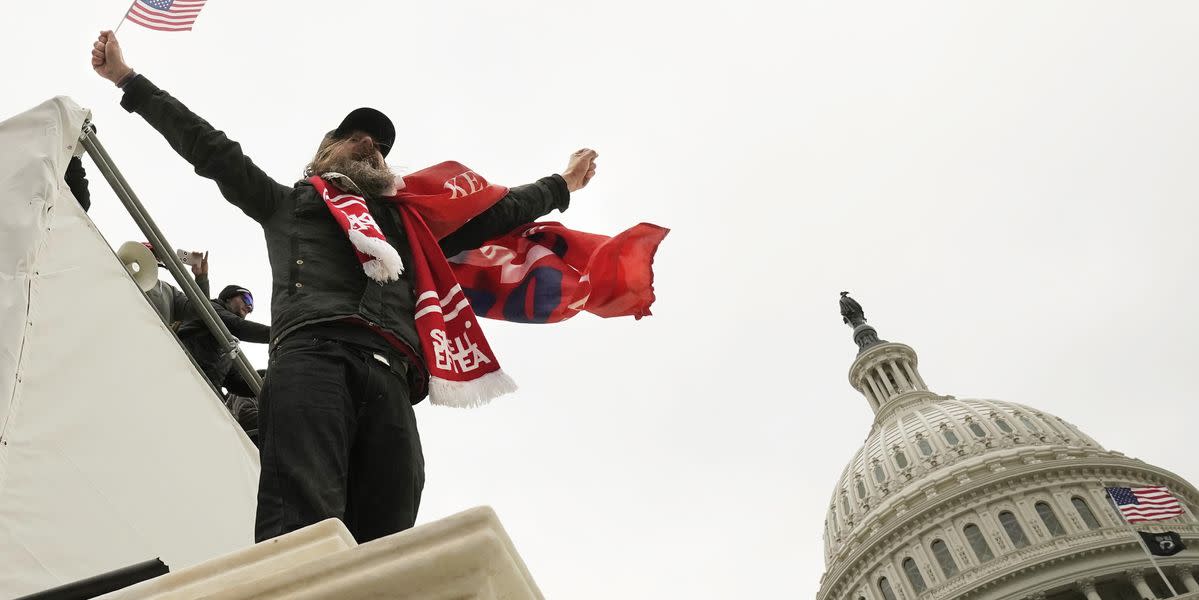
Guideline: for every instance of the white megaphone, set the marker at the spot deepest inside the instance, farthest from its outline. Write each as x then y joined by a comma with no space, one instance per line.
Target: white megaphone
140,263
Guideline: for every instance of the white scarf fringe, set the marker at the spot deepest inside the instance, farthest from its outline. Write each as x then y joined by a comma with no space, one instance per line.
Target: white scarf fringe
386,266
470,394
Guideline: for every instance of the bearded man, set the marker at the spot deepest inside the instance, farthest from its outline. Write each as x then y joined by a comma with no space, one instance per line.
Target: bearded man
338,435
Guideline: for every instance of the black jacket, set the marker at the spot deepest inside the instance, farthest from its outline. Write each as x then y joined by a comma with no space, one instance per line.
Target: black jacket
172,304
210,355
317,276
76,180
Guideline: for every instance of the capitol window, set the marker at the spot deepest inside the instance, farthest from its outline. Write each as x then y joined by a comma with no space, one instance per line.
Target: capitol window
884,587
951,438
1028,424
925,447
1003,426
977,429
879,474
845,503
914,576
978,543
1050,519
944,558
861,489
1084,511
901,459
1014,531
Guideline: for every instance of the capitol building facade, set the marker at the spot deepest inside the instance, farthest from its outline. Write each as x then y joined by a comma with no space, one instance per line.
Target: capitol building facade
983,499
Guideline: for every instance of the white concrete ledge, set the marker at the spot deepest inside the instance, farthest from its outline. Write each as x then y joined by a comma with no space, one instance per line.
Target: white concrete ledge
241,567
466,556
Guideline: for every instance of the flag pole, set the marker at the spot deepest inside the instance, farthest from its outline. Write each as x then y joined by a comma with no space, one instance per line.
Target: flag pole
1140,540
126,17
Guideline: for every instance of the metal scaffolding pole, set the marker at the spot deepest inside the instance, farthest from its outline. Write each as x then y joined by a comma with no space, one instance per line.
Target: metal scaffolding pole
163,252
99,585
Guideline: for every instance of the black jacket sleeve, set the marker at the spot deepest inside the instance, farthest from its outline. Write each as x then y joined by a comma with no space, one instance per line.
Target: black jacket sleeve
181,306
243,330
213,154
202,281
76,179
523,204
249,331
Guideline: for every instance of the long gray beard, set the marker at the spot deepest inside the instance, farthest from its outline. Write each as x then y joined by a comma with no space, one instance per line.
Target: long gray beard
369,179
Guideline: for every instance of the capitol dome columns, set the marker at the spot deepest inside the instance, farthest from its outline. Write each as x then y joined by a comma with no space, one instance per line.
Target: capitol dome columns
1087,587
1187,574
1137,577
883,370
975,499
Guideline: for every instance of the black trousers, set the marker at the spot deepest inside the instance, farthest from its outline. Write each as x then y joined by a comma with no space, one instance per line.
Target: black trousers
338,438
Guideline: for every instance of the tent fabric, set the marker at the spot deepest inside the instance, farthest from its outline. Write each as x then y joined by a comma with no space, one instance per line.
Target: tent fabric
113,448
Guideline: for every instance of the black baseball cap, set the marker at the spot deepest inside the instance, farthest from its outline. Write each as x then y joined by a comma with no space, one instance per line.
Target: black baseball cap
368,120
232,290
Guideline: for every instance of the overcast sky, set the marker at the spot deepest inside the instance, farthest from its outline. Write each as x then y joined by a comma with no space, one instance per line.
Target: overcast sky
1008,187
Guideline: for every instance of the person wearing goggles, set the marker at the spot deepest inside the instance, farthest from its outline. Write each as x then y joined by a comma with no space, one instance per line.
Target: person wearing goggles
232,305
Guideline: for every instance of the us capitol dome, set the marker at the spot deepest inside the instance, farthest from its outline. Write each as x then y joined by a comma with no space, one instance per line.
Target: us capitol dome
985,499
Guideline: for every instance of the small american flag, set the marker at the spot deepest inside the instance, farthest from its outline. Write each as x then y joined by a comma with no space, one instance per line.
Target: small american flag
1145,503
165,15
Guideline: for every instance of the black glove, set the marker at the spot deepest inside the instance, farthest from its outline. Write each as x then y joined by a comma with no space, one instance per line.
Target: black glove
76,179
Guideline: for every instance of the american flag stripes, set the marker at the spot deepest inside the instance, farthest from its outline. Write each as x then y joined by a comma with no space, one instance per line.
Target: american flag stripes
165,15
1138,505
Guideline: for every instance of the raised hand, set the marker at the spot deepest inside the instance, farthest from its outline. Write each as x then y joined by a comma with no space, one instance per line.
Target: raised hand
107,59
200,267
580,169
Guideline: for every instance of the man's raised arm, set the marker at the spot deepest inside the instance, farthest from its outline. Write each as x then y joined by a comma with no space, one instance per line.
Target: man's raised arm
212,154
524,204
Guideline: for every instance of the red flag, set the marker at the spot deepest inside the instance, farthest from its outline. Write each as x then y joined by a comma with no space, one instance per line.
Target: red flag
545,273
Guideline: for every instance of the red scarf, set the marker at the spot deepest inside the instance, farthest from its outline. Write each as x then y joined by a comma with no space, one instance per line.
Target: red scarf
462,368
539,273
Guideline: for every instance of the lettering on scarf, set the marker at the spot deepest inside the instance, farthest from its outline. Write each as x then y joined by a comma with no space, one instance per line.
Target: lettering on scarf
465,184
360,222
358,216
459,354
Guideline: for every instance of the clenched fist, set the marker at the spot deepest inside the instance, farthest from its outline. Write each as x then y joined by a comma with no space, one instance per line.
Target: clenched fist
107,58
580,169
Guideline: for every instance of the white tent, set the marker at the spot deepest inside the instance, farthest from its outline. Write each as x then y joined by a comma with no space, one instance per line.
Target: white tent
113,448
